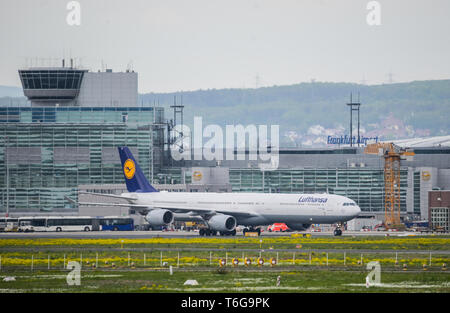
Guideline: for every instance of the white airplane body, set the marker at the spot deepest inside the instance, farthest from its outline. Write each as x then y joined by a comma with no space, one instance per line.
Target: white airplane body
252,209
224,211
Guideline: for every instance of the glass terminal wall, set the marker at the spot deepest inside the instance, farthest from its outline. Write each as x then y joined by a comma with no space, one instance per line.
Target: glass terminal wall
50,151
365,186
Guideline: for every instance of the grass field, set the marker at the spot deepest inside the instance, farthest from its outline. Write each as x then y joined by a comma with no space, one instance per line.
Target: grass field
279,242
408,264
227,281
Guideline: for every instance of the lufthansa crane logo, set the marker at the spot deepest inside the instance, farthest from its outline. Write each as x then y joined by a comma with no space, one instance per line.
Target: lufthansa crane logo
197,175
129,168
426,175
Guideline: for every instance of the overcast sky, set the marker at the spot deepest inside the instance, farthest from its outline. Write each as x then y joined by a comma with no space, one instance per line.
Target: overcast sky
199,44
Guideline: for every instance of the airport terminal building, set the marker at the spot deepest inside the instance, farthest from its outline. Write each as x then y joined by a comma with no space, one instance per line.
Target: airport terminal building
345,171
69,135
66,140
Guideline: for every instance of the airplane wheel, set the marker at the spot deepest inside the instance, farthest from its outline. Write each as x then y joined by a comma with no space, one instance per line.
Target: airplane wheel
201,232
258,230
337,232
233,233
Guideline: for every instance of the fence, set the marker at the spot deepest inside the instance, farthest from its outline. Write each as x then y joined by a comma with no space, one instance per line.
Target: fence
232,258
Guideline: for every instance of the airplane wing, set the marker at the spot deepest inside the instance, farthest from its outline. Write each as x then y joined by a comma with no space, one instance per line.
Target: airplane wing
203,211
108,195
108,204
171,207
115,204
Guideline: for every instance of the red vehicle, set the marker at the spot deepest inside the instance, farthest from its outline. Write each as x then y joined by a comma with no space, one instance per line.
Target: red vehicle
278,227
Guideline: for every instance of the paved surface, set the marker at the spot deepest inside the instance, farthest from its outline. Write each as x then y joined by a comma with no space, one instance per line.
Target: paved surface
180,234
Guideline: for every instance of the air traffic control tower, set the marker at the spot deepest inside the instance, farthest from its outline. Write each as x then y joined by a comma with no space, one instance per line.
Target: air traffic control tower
74,87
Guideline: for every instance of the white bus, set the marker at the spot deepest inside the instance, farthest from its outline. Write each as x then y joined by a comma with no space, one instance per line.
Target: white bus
75,223
28,224
55,223
8,224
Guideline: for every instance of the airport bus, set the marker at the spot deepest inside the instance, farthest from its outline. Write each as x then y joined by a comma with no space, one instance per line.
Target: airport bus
55,223
73,223
116,223
32,223
8,224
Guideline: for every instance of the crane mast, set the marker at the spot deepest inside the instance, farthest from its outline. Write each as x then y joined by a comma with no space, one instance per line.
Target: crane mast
392,155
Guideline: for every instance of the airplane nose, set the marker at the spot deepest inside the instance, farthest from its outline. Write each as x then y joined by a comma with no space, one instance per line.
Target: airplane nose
356,211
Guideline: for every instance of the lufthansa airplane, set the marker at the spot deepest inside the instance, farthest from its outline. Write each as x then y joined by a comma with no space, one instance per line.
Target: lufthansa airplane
222,212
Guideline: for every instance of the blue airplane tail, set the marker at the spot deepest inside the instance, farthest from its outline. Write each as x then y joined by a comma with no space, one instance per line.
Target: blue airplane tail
134,177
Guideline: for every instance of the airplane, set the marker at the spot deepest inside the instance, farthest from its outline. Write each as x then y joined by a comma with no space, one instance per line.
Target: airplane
222,212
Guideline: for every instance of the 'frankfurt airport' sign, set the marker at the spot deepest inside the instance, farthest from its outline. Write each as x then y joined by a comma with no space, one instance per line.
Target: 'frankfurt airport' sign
345,140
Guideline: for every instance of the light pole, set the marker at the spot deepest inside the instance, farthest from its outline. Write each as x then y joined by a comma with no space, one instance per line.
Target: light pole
7,176
263,180
153,143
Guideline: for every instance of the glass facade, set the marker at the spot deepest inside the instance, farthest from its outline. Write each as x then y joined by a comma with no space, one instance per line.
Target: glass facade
440,218
364,186
48,152
128,115
417,193
50,85
51,79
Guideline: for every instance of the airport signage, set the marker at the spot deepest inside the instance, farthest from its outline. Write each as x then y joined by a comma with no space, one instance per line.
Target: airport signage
345,140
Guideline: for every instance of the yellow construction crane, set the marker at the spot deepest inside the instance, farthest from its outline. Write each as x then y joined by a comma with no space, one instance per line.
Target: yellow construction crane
392,155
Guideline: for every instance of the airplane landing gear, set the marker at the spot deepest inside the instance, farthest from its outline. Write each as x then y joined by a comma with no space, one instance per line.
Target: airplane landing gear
209,232
206,232
338,230
228,233
252,230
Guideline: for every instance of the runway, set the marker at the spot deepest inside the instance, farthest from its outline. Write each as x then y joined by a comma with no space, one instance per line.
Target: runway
185,234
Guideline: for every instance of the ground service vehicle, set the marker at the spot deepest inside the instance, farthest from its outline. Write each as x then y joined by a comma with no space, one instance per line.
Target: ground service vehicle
278,227
116,223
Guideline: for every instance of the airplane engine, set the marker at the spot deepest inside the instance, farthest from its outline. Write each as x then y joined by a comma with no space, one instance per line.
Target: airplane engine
159,217
222,222
298,226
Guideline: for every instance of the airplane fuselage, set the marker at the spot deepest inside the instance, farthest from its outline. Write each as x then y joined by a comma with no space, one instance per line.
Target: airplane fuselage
261,208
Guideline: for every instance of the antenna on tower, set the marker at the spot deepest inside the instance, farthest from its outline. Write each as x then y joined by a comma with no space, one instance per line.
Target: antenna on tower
354,106
390,76
363,81
257,79
177,137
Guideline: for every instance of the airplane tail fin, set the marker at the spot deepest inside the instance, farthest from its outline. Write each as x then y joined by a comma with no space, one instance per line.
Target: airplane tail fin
134,177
